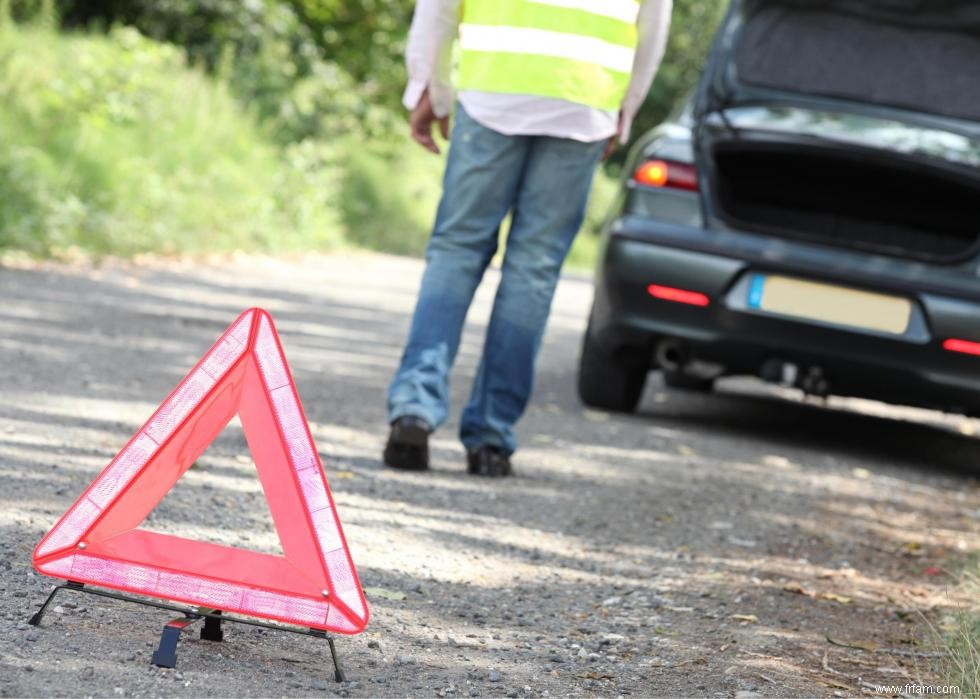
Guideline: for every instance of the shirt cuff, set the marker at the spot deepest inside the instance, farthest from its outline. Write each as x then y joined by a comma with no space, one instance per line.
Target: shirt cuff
442,99
413,93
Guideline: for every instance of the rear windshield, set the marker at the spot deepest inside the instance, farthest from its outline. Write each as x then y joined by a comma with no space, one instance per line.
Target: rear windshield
922,55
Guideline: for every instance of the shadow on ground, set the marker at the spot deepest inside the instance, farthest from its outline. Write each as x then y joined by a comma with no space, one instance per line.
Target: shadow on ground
706,545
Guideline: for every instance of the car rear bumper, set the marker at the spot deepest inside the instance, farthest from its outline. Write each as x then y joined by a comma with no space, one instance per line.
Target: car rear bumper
913,369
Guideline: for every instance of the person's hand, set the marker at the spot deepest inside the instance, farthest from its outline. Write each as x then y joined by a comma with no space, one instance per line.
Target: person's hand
421,121
613,144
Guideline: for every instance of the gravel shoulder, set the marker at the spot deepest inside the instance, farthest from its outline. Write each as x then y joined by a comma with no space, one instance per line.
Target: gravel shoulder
746,542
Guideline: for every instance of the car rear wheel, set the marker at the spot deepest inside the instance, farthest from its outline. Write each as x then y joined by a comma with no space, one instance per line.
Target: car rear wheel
611,382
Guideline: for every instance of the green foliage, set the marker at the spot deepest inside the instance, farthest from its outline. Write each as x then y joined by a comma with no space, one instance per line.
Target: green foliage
957,637
693,27
44,13
123,144
960,649
390,195
114,145
389,198
268,54
47,15
367,38
324,67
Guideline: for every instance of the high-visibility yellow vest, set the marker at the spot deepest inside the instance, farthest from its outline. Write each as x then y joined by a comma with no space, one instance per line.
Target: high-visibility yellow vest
576,50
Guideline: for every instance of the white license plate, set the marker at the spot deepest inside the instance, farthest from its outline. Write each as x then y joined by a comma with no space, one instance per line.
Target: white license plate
826,303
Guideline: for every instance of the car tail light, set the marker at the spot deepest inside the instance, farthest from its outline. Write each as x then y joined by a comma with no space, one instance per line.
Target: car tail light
963,347
669,293
667,174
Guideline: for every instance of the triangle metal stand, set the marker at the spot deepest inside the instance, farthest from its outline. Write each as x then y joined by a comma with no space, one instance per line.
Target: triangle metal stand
166,653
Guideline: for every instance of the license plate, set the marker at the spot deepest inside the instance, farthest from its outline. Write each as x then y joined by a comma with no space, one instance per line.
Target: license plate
826,303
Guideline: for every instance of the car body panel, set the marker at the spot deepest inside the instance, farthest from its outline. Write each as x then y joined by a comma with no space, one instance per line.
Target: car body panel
854,129
721,86
677,239
840,265
742,340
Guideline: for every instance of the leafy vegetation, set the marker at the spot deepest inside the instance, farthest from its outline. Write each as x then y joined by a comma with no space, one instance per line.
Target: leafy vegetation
958,636
692,28
192,125
112,144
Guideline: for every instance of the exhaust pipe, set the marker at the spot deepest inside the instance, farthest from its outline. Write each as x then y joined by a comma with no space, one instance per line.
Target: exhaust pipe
811,379
777,371
815,383
671,355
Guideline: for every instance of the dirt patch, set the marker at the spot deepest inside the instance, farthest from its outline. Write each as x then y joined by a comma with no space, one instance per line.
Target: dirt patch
742,542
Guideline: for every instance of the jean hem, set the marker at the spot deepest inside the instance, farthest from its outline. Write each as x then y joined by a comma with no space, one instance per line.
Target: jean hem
399,414
476,443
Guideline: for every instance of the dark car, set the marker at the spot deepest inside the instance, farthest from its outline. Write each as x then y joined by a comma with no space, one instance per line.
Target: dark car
812,217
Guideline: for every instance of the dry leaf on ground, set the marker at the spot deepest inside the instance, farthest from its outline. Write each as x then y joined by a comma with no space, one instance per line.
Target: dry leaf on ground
595,676
869,646
383,593
796,588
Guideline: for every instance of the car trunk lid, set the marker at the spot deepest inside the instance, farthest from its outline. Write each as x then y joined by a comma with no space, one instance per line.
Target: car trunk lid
922,56
796,138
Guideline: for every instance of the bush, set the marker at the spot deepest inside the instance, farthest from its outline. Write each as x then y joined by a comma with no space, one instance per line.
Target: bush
275,59
113,144
357,46
122,144
390,194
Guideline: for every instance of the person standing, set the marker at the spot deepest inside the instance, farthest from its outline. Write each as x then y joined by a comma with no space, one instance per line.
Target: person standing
546,88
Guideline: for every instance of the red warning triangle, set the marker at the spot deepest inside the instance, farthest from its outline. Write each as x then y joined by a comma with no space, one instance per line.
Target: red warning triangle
312,584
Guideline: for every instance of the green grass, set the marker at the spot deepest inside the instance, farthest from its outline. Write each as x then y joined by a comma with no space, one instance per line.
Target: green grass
958,636
961,651
112,145
390,195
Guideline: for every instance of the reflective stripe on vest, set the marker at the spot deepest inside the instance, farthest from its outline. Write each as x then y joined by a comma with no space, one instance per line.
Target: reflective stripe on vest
577,50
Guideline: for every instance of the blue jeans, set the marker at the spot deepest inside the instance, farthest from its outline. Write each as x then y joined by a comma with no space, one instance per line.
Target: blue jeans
545,182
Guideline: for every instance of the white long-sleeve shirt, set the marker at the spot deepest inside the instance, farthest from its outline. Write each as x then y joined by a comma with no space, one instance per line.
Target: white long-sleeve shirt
435,27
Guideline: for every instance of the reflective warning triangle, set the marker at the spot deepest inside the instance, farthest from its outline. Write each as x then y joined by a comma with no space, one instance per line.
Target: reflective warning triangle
313,584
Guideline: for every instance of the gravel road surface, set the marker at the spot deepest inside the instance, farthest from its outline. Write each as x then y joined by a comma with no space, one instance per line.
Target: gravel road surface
747,543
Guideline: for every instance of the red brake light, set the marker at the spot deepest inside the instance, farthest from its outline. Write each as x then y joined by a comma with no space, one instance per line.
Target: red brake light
667,174
669,293
962,346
